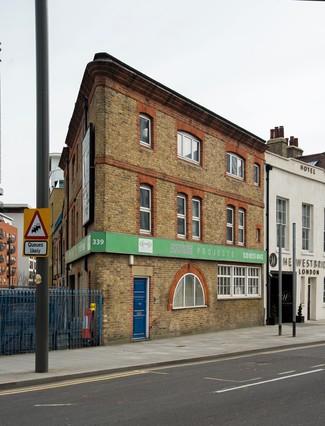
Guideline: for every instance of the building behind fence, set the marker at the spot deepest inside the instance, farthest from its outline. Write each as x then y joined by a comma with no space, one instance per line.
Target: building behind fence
74,320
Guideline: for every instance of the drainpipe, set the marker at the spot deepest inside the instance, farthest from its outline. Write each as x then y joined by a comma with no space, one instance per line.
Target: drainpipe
67,225
86,226
268,168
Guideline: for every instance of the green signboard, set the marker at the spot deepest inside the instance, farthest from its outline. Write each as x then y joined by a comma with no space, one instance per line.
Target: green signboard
106,242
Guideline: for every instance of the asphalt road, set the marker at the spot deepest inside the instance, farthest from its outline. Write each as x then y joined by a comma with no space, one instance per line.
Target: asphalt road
277,388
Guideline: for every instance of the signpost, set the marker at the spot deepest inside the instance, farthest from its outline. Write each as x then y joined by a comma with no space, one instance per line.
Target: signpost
42,184
36,232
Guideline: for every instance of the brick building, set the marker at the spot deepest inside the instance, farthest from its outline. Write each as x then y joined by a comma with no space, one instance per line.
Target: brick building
163,208
8,253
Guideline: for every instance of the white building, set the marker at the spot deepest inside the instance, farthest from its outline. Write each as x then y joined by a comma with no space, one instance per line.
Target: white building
294,193
56,178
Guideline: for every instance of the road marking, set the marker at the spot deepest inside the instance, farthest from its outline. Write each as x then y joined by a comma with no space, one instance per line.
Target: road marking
316,366
156,372
287,372
268,381
232,381
77,382
53,405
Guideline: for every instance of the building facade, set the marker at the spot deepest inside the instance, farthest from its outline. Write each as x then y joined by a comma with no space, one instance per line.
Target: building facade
26,268
294,195
163,208
8,253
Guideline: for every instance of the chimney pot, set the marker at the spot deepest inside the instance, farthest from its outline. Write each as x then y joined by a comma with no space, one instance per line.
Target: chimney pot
276,132
281,132
295,142
291,141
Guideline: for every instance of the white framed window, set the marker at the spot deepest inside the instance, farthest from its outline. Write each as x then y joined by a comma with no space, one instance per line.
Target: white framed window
235,165
306,227
145,130
241,227
281,222
253,280
230,225
181,215
196,219
236,281
256,174
188,293
224,280
145,209
188,147
324,234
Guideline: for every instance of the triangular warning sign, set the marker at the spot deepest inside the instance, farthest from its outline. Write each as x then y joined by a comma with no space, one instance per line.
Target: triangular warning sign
36,229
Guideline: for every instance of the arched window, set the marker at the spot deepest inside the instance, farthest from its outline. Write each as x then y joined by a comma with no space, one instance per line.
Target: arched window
235,165
145,130
189,292
230,225
188,147
241,227
145,209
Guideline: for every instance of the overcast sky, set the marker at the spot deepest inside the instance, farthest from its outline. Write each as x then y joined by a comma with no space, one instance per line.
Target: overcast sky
257,63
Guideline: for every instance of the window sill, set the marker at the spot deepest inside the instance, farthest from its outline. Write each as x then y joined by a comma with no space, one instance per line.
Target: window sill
236,177
145,145
189,307
307,253
187,160
284,251
238,296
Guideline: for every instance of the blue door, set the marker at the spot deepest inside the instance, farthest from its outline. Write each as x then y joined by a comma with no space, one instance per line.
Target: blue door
140,308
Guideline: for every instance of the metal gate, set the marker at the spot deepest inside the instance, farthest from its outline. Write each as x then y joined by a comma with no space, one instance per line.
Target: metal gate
67,313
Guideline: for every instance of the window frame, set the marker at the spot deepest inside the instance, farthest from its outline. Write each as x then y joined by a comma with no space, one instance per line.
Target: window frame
230,157
196,219
306,228
180,147
146,210
257,174
149,120
241,226
239,281
182,282
324,234
283,224
182,216
231,225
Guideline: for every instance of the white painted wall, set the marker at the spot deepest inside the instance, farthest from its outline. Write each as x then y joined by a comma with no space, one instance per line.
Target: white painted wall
299,183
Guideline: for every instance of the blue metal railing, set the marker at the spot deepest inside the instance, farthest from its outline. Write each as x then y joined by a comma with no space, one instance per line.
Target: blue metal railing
74,320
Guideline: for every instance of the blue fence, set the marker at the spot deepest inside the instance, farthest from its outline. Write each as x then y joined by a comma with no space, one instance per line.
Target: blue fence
74,320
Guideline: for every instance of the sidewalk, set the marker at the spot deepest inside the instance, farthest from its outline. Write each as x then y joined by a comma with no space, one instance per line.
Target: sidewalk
19,370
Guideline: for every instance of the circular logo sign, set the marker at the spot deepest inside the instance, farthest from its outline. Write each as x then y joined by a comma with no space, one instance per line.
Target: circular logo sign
273,260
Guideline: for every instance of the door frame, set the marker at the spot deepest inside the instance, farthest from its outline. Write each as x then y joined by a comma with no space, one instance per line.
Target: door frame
147,306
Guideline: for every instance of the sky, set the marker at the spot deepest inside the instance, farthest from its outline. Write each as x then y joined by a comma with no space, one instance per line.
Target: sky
257,63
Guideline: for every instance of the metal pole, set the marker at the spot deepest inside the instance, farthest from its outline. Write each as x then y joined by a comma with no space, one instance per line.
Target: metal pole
294,280
42,185
280,281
